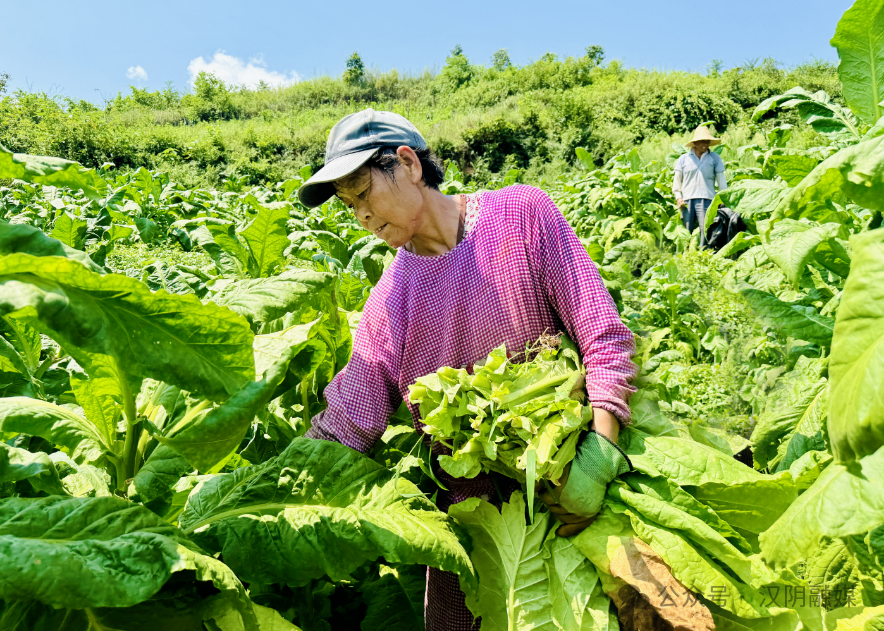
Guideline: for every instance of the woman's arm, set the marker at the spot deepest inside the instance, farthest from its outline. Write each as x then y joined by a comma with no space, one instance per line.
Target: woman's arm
676,186
576,292
364,394
719,175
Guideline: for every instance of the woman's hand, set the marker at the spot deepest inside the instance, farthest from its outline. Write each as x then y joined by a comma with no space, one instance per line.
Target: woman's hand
604,423
571,524
679,203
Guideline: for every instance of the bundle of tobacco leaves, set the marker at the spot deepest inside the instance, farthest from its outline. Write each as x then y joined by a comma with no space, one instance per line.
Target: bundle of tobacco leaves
521,419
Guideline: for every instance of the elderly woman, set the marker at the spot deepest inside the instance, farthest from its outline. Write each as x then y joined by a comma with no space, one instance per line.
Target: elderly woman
696,173
472,272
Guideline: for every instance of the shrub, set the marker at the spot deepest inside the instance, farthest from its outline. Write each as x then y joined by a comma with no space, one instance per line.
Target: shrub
210,100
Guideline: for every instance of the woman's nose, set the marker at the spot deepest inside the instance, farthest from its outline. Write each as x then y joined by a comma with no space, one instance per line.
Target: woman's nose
363,214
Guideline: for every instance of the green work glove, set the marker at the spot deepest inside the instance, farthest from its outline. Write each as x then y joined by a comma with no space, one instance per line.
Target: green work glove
598,461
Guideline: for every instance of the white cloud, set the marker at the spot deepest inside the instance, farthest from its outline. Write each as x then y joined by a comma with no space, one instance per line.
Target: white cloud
235,71
137,72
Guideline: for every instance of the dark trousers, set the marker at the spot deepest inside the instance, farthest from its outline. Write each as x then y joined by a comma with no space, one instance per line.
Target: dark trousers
693,215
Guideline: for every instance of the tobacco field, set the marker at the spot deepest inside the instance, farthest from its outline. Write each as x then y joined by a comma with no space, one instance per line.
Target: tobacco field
163,349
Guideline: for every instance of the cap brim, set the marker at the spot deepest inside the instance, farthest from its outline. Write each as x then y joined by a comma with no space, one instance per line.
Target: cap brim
319,188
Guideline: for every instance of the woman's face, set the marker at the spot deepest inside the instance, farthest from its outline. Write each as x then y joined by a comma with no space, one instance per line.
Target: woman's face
389,207
701,146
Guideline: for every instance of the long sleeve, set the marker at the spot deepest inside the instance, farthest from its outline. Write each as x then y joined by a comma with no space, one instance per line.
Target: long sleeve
677,183
363,395
722,182
575,290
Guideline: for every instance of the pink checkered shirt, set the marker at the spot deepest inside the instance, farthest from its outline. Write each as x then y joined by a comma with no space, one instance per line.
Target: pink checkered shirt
519,271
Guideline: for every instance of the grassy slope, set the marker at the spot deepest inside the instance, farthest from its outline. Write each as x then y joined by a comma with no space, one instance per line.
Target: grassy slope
488,120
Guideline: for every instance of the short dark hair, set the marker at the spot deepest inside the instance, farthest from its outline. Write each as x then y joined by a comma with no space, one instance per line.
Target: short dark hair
386,160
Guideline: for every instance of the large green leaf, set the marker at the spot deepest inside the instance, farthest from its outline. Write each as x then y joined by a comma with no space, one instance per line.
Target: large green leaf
626,565
298,296
644,408
798,399
575,592
793,243
750,506
833,565
855,173
833,255
172,611
871,619
70,230
96,397
267,238
785,621
856,367
15,378
116,328
306,243
20,464
798,321
682,460
24,339
208,440
51,171
319,508
818,110
752,199
508,556
221,244
859,39
698,531
793,168
148,230
352,291
697,571
224,612
58,425
176,279
395,599
665,491
20,238
372,258
94,552
840,503
162,470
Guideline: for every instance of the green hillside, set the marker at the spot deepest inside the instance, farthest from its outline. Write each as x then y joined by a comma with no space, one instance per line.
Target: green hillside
488,118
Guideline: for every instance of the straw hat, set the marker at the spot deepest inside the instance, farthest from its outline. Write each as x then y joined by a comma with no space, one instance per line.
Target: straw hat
702,133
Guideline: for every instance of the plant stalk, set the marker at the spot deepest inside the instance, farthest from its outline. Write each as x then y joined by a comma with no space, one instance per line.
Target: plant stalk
130,447
305,402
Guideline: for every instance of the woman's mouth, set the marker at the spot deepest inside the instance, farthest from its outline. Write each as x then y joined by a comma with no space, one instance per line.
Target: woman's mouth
378,232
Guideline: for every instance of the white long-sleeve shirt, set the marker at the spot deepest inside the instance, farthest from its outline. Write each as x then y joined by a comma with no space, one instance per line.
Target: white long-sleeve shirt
695,178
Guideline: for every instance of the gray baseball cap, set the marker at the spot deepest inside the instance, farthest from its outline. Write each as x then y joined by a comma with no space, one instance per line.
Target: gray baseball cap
352,141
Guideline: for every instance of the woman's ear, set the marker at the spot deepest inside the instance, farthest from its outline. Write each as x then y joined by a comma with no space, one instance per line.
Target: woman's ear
410,164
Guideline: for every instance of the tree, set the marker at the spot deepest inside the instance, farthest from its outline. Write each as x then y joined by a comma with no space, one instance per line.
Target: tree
355,72
457,71
500,60
4,78
595,55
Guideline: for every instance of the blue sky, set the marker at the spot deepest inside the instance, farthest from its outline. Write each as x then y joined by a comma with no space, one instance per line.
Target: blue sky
91,50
